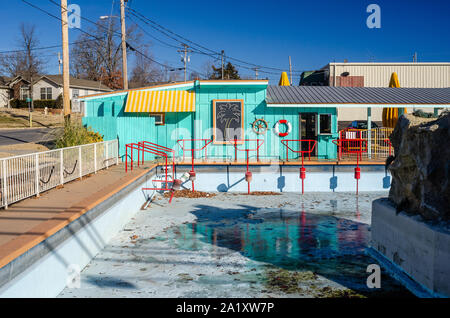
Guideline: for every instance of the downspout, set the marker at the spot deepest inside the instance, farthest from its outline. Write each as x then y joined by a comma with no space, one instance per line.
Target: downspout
369,132
334,74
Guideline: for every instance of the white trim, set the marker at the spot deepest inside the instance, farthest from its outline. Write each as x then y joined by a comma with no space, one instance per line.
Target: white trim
102,96
145,89
361,105
234,83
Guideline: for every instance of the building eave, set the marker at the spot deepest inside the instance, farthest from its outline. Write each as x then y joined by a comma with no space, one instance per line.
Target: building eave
343,105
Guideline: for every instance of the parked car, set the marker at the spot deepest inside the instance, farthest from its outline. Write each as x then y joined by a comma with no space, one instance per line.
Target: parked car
361,124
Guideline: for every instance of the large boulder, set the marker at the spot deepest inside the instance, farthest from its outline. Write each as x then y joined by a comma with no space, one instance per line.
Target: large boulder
421,168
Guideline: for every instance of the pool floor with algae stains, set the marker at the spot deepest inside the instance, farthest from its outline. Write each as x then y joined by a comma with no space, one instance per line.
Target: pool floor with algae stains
233,245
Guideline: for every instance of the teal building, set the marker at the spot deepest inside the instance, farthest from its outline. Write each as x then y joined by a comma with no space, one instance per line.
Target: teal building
223,111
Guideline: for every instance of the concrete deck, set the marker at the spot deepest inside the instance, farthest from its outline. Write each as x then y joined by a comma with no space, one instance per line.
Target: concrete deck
29,222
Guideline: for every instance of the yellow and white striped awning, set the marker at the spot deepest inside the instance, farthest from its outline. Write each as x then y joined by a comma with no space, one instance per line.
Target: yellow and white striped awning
160,102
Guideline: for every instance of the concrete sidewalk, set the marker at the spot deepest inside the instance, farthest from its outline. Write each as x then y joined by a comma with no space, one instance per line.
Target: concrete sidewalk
29,222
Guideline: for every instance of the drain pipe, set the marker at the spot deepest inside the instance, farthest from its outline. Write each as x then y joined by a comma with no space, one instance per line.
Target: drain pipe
192,174
303,175
357,172
248,174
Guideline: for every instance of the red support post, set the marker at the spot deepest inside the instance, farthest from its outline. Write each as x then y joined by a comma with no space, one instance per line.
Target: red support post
287,150
311,147
192,171
132,159
139,155
181,143
126,158
235,149
248,174
248,171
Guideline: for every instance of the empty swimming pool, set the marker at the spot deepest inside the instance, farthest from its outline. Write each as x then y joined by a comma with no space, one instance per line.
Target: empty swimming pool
236,245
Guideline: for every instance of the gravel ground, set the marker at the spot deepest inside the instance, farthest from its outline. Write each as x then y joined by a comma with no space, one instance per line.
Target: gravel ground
233,245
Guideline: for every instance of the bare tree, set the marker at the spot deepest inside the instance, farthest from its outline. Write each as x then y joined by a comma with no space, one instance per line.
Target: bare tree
144,71
25,61
207,68
99,57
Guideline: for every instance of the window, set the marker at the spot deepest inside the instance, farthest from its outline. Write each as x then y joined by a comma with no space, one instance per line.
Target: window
24,93
75,93
325,123
160,118
46,93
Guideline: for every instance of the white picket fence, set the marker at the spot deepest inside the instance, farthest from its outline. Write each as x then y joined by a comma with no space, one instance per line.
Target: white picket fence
29,175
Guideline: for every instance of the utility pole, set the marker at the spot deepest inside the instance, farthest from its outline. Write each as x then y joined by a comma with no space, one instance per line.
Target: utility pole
124,45
65,42
223,55
185,59
256,72
290,68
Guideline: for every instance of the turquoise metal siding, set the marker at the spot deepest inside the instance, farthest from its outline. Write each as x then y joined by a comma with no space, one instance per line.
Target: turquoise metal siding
107,116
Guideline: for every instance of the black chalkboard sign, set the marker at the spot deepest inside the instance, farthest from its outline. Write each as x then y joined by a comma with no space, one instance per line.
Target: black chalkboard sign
228,120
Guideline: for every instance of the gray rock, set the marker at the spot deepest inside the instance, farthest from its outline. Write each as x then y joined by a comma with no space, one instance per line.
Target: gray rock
421,169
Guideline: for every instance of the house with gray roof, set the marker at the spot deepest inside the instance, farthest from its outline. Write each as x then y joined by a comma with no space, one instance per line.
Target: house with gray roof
51,86
46,87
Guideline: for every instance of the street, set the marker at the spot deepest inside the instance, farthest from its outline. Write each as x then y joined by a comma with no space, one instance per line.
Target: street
21,136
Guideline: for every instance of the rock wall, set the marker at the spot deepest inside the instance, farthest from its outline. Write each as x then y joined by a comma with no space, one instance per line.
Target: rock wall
421,168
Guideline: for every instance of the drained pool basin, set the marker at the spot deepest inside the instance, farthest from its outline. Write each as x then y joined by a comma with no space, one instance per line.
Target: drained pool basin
236,245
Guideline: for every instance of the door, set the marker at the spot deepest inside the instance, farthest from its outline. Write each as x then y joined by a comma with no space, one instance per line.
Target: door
308,130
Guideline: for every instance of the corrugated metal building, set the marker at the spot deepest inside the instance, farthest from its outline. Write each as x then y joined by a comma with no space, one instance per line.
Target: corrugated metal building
413,75
417,75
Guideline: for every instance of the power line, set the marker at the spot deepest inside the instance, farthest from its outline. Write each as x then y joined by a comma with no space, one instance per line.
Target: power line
176,37
213,54
56,17
44,47
87,33
150,35
108,29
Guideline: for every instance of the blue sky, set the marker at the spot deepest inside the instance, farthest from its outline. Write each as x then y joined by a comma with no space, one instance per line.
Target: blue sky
313,33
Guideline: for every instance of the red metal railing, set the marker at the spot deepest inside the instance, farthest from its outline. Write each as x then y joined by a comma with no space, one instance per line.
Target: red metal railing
357,147
183,146
311,146
192,174
150,145
236,143
239,142
353,146
388,141
155,149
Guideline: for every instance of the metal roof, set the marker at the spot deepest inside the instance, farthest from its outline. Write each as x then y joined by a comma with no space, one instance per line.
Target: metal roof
77,82
357,95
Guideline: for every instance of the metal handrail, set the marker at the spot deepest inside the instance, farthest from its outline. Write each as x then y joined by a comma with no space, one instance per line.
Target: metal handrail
339,143
302,152
183,147
238,142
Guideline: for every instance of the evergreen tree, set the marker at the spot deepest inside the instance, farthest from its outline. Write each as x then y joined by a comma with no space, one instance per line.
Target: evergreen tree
229,72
